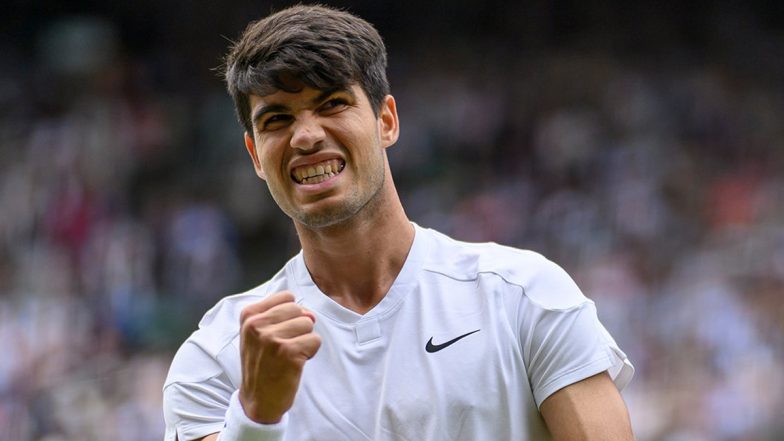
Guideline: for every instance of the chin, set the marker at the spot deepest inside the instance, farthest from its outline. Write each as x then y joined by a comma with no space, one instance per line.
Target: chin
324,218
335,211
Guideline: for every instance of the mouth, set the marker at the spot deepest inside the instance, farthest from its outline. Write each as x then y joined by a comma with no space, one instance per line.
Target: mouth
317,173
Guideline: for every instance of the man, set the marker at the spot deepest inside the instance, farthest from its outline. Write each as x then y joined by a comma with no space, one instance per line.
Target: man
378,329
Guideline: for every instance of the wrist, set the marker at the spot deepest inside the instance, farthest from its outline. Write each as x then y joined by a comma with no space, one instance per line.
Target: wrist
239,427
256,414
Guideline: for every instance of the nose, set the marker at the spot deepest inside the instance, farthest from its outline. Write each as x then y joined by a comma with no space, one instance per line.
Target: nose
307,132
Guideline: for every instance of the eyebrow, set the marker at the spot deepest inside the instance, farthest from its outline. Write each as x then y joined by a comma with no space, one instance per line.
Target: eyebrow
272,108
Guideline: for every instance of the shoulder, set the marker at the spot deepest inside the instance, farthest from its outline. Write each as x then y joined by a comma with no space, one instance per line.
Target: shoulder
539,279
220,324
199,357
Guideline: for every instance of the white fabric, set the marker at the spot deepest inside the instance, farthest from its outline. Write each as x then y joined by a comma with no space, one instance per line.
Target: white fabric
372,379
239,427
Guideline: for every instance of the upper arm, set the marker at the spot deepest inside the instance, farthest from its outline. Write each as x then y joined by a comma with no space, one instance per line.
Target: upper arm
194,410
591,409
212,437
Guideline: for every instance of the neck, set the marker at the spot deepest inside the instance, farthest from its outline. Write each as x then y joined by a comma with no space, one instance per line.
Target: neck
356,262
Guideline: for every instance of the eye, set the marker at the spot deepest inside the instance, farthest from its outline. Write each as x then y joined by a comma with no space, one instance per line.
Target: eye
333,104
275,121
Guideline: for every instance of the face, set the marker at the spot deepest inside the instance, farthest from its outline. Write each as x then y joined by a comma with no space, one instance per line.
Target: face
321,152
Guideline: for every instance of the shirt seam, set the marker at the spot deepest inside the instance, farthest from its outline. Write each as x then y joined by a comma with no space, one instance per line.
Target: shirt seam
181,382
582,303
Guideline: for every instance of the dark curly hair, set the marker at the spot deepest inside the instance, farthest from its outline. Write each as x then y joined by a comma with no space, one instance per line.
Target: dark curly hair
320,47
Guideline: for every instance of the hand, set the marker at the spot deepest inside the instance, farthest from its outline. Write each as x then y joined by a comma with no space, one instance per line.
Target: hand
276,339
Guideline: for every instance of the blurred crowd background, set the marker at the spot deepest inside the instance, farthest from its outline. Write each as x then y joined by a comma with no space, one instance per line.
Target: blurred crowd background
639,145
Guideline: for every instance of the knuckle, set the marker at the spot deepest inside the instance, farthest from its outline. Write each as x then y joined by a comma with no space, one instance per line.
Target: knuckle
261,335
285,296
266,337
246,329
286,352
305,324
282,309
245,314
316,341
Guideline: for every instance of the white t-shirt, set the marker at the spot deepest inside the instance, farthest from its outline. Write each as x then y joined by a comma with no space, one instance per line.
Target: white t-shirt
469,341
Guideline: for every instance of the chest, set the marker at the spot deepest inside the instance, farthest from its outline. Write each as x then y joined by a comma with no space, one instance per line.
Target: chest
440,367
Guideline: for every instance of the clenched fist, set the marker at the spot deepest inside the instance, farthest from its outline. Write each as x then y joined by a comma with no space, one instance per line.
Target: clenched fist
276,339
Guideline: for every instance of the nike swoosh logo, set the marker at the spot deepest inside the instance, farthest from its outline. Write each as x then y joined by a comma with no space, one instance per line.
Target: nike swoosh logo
431,348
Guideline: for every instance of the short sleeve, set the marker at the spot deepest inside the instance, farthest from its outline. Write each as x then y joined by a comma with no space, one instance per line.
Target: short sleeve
570,345
195,406
563,340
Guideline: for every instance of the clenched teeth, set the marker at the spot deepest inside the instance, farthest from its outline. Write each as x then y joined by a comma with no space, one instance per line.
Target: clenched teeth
315,173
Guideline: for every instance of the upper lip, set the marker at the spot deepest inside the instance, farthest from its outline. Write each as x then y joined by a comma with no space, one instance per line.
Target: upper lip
315,158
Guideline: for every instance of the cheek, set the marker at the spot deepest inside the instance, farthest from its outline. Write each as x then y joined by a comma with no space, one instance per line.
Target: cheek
271,159
365,138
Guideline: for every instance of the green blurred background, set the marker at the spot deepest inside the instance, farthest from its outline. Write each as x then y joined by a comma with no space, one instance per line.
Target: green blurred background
639,144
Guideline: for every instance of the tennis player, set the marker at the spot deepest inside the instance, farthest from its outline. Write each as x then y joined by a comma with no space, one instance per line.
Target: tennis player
378,329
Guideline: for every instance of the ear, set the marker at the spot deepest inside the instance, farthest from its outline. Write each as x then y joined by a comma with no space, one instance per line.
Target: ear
254,156
389,126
